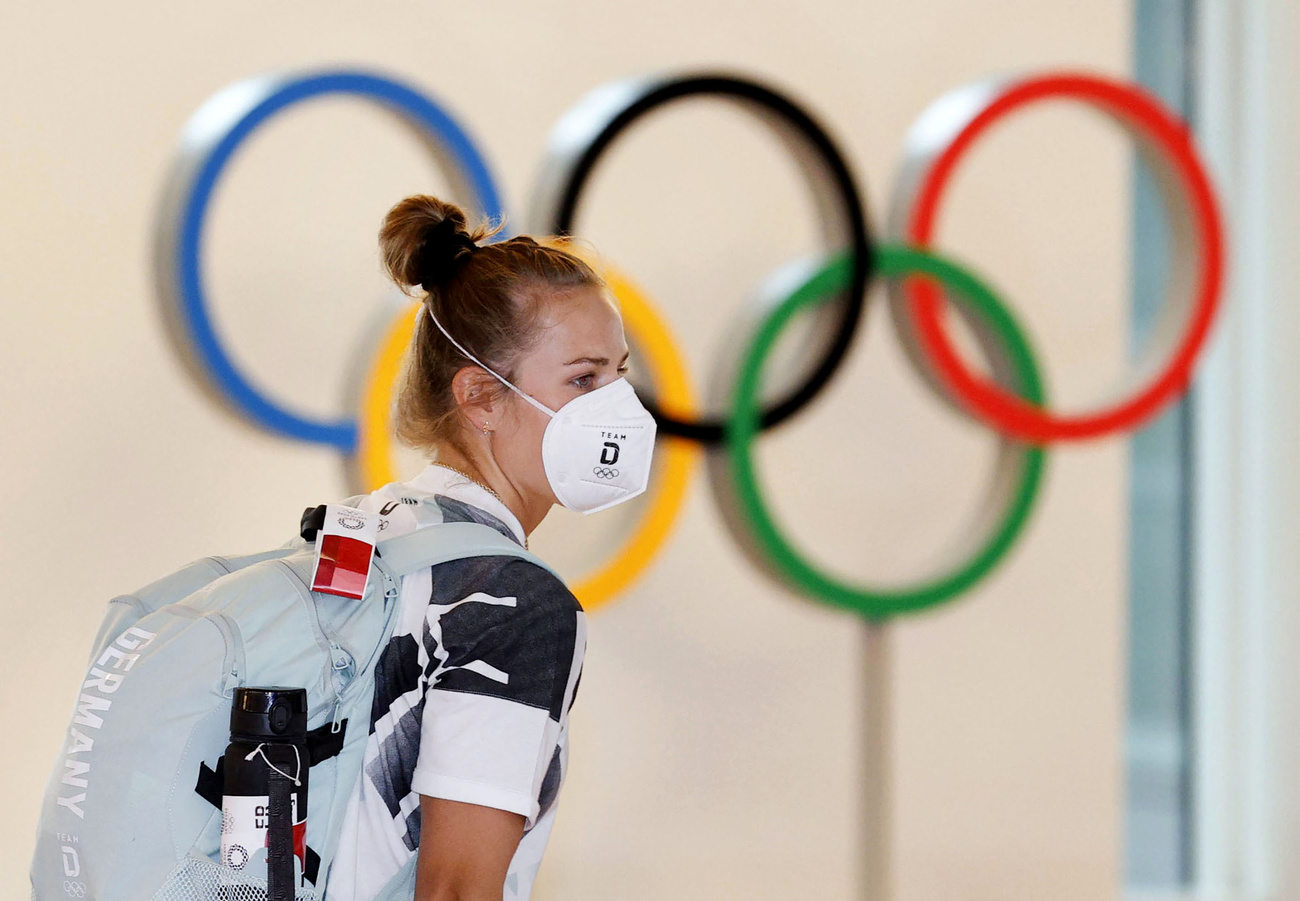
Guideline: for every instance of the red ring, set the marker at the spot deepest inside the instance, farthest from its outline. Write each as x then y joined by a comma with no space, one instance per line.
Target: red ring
983,397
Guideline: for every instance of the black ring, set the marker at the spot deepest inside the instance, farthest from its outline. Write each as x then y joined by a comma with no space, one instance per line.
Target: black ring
588,130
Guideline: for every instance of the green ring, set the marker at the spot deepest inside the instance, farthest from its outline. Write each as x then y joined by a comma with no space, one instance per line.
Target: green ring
743,425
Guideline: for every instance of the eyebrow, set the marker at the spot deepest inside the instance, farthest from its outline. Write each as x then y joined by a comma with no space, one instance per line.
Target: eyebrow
597,361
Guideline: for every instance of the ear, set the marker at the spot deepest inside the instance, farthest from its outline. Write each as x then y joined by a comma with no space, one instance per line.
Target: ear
475,391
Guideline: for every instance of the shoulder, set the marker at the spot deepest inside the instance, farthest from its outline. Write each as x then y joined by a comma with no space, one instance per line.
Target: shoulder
508,628
502,576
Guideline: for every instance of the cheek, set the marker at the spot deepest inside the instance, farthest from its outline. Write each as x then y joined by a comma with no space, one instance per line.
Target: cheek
519,448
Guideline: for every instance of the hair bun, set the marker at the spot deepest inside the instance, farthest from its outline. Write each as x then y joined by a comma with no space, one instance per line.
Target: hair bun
444,250
424,241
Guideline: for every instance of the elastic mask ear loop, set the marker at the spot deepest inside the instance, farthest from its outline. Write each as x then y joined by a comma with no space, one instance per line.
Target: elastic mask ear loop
294,779
532,400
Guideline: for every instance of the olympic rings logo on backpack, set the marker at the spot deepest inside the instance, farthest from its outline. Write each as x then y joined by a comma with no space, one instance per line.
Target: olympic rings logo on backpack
921,286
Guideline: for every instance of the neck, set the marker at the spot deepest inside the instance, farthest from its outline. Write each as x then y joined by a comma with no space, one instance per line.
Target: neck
483,468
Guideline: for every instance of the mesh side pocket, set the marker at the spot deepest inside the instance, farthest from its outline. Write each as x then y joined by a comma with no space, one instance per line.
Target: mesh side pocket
200,879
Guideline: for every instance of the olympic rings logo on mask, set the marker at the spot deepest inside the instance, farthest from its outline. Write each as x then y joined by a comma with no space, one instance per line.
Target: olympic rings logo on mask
922,288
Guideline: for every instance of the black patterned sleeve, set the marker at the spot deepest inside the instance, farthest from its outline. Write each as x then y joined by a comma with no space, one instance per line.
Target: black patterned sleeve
505,641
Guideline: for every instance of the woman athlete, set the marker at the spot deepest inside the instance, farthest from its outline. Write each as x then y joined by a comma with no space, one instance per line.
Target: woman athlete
514,391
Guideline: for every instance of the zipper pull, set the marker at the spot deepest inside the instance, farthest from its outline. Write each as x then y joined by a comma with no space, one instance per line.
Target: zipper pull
335,715
339,658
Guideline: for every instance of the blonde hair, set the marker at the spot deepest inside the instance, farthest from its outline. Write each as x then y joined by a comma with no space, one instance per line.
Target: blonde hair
485,296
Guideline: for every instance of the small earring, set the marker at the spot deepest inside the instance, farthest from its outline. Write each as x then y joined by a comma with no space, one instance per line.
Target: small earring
485,427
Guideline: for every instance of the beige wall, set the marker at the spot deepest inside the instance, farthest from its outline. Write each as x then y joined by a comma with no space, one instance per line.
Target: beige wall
717,742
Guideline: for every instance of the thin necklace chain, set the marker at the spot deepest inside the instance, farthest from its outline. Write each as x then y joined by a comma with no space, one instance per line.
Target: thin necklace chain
486,488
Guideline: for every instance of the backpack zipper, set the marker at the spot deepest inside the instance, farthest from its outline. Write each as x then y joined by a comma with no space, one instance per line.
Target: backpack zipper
234,660
340,657
313,618
392,591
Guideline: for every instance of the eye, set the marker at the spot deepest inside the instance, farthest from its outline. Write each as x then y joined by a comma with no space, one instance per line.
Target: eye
584,381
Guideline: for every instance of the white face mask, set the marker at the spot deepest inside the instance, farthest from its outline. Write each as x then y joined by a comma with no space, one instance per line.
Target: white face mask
597,448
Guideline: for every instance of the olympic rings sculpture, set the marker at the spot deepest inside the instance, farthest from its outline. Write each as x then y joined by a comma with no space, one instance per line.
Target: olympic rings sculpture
832,295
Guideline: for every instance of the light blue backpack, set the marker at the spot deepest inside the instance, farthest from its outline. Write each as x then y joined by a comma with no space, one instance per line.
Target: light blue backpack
129,810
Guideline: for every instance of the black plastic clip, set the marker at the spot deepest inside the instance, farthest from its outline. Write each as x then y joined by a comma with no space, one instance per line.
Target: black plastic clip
313,520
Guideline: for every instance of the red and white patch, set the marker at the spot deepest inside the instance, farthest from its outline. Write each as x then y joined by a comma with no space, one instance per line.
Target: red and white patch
344,549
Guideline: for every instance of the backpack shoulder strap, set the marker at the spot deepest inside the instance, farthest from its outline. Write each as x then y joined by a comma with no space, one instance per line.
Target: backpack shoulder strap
434,544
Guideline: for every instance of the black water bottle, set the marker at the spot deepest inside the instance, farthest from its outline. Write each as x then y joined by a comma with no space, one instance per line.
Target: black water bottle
264,801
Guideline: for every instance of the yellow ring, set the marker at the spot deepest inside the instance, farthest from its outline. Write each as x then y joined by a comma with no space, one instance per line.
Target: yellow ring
374,453
671,385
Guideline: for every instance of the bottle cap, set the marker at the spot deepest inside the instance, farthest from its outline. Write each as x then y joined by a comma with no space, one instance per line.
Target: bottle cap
269,714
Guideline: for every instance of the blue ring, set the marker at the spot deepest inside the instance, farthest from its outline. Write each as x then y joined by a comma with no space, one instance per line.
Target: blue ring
415,108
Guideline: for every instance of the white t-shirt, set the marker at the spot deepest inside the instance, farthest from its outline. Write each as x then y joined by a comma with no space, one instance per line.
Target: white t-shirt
472,693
